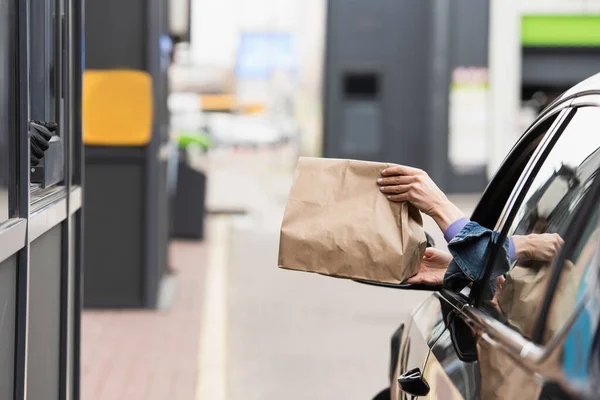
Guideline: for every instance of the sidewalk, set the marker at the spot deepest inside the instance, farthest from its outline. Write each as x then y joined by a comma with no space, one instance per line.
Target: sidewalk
149,355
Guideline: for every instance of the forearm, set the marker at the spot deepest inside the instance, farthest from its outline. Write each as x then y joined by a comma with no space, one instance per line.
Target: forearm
446,214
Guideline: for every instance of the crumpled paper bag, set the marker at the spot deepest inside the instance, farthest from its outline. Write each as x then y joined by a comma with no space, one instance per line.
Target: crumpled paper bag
522,295
502,377
338,223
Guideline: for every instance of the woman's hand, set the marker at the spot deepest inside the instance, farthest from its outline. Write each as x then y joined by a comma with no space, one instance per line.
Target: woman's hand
402,183
538,247
432,268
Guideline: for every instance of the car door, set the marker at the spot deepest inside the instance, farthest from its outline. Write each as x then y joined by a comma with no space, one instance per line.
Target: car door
528,314
444,368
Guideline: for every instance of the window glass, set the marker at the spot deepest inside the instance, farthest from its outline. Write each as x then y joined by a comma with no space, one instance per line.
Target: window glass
573,278
510,173
573,288
541,220
7,103
42,78
45,101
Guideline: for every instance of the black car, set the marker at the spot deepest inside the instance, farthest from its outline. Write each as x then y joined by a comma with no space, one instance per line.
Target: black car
536,337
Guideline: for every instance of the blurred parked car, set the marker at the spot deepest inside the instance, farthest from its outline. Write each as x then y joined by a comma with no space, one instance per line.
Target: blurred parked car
248,130
186,112
536,337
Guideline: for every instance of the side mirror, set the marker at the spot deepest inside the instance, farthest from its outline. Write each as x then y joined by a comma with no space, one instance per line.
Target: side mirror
463,339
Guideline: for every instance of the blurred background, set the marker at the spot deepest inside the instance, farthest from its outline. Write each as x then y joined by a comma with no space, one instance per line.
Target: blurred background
194,115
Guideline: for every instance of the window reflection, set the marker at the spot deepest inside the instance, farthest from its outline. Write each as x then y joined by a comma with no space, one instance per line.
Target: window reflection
548,208
577,347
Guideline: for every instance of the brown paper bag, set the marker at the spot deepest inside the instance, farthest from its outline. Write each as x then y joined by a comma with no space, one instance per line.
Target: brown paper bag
503,378
526,288
338,223
522,295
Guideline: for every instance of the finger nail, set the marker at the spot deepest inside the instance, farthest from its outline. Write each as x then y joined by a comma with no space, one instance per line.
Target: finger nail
383,172
379,180
389,197
381,188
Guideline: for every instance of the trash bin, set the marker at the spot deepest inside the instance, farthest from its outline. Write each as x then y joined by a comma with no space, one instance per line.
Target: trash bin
190,200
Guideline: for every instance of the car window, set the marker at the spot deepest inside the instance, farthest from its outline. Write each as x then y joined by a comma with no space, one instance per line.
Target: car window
573,279
510,172
576,291
541,220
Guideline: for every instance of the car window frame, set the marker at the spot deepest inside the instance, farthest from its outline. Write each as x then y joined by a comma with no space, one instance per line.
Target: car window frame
512,209
507,195
532,355
499,188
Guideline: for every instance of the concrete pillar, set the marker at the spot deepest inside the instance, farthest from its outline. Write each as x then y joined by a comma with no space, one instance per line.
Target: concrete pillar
505,79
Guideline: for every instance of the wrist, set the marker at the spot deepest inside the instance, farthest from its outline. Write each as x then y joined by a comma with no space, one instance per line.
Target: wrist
445,214
521,246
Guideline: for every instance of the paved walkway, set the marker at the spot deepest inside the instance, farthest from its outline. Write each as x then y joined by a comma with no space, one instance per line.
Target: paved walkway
148,355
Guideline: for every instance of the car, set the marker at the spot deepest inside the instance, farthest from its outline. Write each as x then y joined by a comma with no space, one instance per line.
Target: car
536,336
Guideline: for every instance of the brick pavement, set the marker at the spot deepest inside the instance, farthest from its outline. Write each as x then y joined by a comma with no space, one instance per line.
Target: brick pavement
148,355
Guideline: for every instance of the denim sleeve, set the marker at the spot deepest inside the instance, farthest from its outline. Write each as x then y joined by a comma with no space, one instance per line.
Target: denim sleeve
468,249
454,228
459,224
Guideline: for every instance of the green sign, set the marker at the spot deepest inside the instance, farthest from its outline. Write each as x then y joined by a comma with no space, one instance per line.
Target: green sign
560,30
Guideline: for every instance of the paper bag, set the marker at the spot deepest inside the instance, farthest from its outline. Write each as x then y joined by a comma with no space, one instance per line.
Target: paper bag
338,223
526,288
501,377
522,295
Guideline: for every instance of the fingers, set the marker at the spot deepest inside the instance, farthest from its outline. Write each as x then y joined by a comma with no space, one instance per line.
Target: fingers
555,243
415,279
51,126
558,243
396,180
401,170
430,252
396,185
558,239
398,198
33,160
499,285
395,189
500,282
38,147
433,255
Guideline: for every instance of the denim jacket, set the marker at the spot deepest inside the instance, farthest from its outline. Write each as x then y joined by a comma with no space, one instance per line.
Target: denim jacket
468,248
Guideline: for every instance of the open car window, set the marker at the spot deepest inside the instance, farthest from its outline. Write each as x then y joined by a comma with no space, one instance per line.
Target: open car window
537,224
512,170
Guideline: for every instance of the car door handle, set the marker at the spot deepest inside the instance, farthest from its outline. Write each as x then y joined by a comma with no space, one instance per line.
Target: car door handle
413,383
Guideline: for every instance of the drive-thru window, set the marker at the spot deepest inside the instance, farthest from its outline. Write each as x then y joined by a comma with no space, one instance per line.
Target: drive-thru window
40,203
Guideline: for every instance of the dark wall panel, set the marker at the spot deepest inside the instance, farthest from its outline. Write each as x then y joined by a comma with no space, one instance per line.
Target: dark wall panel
376,80
559,67
387,78
163,220
115,34
114,233
44,316
8,284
